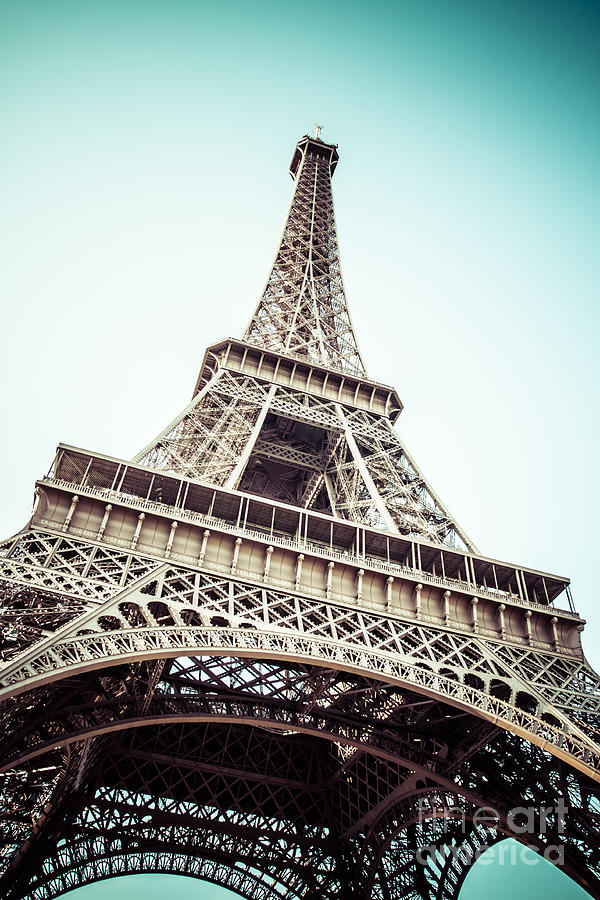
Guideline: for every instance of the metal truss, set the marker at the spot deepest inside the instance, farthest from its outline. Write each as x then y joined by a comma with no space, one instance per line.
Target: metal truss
51,579
207,439
224,436
394,695
238,422
172,611
303,311
283,801
186,691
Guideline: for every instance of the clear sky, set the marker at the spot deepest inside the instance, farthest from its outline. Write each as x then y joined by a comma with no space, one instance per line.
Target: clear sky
143,182
495,877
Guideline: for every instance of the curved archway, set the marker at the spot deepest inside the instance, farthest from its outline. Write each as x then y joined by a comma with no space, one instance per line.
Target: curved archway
81,653
133,879
150,886
260,701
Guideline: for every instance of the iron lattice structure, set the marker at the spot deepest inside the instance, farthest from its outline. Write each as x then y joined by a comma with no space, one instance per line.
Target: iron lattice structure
263,653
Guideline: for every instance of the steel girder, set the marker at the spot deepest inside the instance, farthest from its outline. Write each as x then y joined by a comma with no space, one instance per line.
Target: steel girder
303,311
201,719
199,791
370,476
391,698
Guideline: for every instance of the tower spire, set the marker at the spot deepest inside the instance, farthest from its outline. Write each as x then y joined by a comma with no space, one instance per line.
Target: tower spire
303,311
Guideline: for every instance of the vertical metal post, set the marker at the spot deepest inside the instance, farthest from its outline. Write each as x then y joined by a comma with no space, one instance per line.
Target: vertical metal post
212,504
202,553
150,488
87,472
388,593
236,553
528,625
474,602
120,488
71,512
299,561
183,502
330,568
178,493
169,546
107,512
545,591
359,584
112,487
138,528
418,589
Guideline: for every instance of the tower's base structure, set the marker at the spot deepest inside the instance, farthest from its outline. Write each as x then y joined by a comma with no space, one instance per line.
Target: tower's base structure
262,653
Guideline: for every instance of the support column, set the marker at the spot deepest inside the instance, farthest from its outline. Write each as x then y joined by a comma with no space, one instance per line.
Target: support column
388,593
299,561
107,512
474,602
554,623
446,607
267,569
71,512
418,589
330,568
138,528
359,584
202,553
236,553
171,539
501,609
527,616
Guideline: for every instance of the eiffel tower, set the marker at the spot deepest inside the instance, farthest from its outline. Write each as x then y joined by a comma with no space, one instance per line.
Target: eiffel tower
263,653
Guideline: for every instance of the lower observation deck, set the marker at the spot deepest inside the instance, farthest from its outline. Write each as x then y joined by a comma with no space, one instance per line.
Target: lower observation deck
135,507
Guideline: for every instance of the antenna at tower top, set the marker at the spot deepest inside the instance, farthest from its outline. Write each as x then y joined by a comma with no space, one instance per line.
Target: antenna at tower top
318,131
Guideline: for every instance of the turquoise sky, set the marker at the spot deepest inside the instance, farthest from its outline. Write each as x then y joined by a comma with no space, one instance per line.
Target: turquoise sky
494,877
143,183
530,878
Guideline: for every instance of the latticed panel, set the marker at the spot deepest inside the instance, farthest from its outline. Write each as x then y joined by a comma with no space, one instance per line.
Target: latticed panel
24,792
569,684
208,438
303,311
167,610
412,504
48,580
145,802
350,496
376,483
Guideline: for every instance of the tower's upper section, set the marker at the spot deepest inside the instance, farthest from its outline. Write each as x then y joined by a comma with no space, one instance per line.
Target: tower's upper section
303,311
